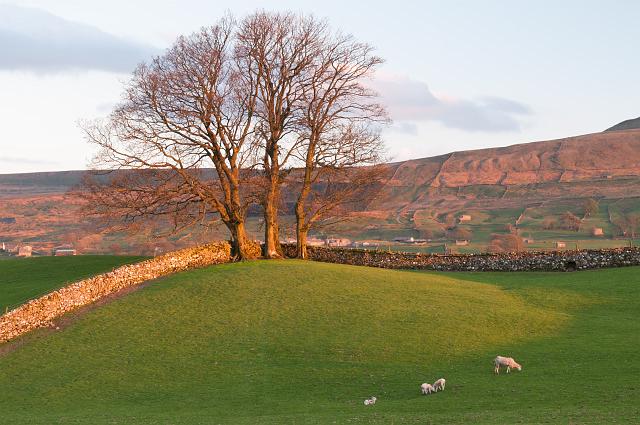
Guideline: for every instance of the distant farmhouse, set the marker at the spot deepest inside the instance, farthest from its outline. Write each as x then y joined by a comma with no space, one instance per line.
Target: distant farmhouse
464,218
25,251
409,240
338,242
315,242
462,242
559,244
64,250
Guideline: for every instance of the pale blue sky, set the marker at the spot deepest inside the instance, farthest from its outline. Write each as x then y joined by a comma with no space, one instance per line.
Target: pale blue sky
459,74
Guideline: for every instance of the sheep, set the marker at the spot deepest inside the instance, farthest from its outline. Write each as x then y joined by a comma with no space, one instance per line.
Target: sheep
370,401
505,361
439,384
426,388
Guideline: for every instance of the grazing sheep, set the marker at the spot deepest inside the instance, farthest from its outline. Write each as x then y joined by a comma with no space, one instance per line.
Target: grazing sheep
370,401
439,384
505,361
426,388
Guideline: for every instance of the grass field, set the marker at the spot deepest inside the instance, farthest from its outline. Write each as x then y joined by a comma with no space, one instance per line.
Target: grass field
22,279
299,342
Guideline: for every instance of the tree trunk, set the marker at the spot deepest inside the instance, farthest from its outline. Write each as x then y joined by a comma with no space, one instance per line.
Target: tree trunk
272,247
240,248
301,243
271,237
301,228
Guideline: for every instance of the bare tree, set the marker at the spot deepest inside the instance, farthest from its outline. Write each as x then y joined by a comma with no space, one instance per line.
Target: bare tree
590,207
506,242
460,233
338,126
227,114
629,224
279,49
571,221
186,111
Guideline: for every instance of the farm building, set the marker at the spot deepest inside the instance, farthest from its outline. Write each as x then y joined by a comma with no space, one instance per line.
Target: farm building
559,244
528,241
64,250
597,231
338,242
464,217
315,242
409,240
463,242
25,251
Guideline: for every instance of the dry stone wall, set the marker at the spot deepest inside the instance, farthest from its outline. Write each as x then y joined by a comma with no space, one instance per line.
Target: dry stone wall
41,311
517,261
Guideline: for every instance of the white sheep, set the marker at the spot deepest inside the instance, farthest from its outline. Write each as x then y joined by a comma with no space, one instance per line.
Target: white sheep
439,384
370,401
426,388
505,361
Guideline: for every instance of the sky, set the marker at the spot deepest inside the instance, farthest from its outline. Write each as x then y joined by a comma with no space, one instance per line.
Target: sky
458,74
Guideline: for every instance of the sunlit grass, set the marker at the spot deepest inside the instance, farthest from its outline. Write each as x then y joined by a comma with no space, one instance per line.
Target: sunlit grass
22,279
302,342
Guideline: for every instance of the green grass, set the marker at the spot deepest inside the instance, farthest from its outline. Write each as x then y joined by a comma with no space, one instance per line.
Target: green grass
300,342
22,279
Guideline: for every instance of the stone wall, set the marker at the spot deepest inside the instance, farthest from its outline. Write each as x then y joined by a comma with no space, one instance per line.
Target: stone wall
518,261
41,311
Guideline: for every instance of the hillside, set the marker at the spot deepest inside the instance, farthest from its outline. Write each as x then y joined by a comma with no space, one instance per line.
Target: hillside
299,342
632,124
531,185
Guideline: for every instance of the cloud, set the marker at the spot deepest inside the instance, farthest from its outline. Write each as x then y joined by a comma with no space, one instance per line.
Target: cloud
35,40
411,100
403,127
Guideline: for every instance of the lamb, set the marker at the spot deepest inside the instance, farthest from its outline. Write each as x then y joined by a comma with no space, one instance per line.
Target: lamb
439,384
370,401
505,361
426,388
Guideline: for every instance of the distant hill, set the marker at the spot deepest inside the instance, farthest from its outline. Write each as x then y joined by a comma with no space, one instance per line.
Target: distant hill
632,124
531,185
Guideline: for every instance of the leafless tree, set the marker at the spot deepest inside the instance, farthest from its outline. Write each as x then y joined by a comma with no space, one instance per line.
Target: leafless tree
629,224
187,111
339,126
313,107
278,50
571,221
591,206
228,114
460,233
506,242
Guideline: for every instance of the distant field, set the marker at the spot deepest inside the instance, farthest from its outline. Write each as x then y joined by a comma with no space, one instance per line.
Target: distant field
284,342
24,278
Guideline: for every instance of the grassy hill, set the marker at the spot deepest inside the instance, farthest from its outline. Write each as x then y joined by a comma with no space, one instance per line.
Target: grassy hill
26,278
300,342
